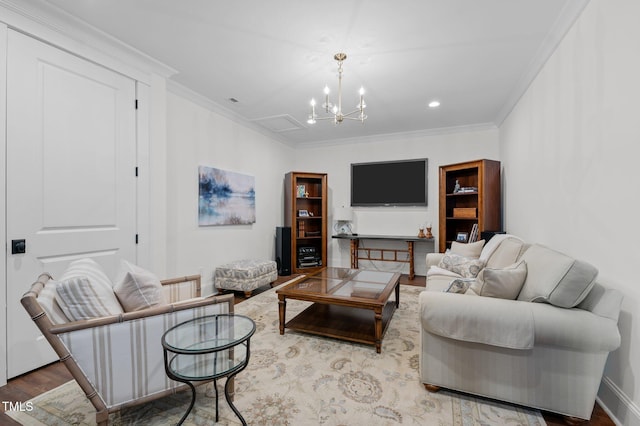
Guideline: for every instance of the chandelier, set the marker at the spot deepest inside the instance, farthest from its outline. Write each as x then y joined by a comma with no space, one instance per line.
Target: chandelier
335,111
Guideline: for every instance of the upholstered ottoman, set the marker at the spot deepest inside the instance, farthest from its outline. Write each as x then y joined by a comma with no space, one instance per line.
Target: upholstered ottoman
245,275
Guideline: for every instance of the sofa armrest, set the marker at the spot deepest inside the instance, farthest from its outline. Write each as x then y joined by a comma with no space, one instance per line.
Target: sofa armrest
433,259
515,324
574,328
477,319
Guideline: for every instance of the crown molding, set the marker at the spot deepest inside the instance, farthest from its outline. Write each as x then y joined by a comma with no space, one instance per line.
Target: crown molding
568,16
400,135
54,26
207,103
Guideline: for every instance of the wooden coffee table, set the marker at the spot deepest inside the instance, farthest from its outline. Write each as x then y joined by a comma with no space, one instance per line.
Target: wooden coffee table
349,304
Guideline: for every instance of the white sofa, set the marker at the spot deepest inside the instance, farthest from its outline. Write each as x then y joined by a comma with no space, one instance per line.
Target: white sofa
545,349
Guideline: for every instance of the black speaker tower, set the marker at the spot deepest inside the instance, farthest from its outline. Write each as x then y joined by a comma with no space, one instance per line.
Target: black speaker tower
283,249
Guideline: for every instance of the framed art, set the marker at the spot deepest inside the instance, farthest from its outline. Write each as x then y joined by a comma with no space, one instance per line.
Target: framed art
462,237
303,213
301,191
225,198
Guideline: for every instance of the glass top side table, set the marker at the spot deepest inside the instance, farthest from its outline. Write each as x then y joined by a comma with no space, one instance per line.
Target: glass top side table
208,348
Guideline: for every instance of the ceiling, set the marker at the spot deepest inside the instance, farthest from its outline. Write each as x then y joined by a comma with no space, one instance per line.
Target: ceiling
474,56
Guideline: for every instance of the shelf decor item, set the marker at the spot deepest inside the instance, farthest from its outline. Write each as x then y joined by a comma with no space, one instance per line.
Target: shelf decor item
462,237
302,192
429,234
466,212
421,232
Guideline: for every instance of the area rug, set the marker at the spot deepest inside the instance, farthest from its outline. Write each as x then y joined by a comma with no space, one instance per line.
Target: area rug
300,379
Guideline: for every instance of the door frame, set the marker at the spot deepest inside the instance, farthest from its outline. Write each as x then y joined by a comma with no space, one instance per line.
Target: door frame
3,203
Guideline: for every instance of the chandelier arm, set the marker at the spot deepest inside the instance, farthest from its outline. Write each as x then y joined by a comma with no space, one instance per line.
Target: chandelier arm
355,111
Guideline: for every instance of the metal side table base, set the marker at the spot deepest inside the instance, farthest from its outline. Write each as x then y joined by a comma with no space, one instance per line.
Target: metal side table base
214,341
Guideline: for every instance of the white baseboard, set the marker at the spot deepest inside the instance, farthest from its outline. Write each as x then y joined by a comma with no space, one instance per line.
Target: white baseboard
622,410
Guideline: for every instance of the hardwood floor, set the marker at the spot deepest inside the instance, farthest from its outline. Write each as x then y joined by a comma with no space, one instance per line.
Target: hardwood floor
27,386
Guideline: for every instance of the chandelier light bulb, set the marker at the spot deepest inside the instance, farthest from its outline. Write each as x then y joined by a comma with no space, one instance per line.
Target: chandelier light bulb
361,91
313,102
326,90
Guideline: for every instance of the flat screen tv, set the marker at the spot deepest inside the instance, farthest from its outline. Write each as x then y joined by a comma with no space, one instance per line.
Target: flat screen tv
389,183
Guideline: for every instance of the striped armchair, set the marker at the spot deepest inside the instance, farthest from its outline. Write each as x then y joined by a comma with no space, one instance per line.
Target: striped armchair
118,360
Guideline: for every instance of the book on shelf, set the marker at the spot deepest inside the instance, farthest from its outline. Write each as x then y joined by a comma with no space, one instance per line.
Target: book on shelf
468,189
473,236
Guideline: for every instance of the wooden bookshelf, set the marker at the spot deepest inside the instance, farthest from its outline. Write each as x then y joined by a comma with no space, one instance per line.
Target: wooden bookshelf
479,182
305,198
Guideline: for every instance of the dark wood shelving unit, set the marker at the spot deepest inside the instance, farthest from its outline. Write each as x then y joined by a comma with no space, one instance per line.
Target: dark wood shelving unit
481,174
307,232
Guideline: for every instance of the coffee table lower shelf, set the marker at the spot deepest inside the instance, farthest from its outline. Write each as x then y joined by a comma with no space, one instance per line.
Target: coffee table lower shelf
342,322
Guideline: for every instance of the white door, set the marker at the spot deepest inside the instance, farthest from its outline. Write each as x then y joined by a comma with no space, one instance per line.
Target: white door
70,176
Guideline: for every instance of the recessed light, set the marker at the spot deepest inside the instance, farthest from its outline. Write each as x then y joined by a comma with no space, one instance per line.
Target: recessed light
434,104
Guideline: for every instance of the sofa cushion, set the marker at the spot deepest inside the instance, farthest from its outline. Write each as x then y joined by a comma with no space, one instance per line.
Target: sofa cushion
81,299
464,266
556,278
504,283
502,250
137,288
471,250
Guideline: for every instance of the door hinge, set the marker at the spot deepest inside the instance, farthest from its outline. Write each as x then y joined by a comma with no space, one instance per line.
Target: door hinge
136,104
136,171
136,238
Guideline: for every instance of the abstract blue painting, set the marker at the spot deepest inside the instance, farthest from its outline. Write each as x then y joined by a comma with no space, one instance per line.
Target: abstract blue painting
225,198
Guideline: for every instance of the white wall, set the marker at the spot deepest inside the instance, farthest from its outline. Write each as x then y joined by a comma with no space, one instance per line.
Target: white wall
197,136
440,148
569,151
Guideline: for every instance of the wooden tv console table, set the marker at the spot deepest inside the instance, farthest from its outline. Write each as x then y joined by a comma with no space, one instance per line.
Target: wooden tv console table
358,253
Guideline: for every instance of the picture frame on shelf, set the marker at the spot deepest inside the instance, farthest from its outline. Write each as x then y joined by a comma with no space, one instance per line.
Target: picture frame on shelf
303,213
301,191
462,237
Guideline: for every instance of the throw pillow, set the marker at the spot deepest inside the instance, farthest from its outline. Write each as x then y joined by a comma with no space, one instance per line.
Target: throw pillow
471,250
81,299
556,278
459,285
138,288
463,266
503,283
92,271
88,268
48,303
